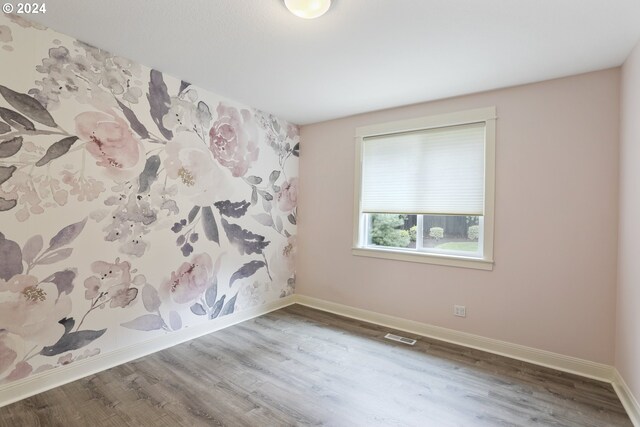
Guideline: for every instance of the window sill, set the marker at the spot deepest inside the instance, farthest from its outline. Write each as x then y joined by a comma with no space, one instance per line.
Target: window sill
426,258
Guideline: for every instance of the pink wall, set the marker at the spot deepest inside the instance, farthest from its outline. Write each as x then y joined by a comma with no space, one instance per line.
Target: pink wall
628,312
553,285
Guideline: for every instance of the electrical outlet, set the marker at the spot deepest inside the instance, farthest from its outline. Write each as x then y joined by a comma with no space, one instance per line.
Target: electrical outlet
460,310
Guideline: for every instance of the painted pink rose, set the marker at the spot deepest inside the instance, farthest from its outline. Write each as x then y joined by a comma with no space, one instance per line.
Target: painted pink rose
197,174
114,282
234,139
190,280
111,142
32,310
287,197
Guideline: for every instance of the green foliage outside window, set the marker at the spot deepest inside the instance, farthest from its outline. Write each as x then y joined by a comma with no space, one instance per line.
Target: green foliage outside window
474,232
436,233
413,233
386,230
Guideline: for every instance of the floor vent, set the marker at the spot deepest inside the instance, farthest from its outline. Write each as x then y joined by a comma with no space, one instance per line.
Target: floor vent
400,339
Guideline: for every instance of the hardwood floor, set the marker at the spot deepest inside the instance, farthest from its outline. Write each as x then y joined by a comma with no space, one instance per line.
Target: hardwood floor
299,366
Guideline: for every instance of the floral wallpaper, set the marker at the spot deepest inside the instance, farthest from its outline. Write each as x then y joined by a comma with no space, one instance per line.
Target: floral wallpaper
132,204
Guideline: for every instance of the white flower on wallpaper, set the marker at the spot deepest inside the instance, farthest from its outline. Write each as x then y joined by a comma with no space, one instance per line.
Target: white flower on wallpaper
131,203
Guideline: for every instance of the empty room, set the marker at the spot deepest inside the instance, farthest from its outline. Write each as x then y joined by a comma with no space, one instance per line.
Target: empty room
320,213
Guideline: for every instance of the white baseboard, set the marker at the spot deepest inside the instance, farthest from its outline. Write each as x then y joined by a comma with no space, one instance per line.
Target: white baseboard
585,368
47,380
629,402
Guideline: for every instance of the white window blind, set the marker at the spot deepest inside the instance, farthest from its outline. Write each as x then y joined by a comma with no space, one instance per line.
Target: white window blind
434,171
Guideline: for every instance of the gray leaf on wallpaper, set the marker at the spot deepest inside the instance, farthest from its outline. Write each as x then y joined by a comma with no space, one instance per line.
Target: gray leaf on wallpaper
6,172
28,106
4,128
209,224
245,241
159,101
55,256
276,125
10,258
279,224
292,219
32,248
175,321
203,114
266,195
232,209
255,180
192,213
10,147
67,235
149,173
6,205
296,150
150,298
264,219
68,323
133,121
63,280
273,176
57,149
183,86
146,322
18,121
254,196
72,341
267,205
211,293
230,306
216,309
198,309
247,270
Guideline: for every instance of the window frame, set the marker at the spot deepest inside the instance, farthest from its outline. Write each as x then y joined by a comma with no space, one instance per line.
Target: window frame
485,115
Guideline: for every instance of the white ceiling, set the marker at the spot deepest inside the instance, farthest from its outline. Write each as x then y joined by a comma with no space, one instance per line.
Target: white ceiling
363,55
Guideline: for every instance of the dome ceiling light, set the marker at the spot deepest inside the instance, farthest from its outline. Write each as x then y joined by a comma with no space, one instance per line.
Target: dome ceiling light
308,9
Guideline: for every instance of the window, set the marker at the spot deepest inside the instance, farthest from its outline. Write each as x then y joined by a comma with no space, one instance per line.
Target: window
424,189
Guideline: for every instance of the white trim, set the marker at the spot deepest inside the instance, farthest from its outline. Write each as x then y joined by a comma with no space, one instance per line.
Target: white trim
419,232
359,227
486,115
424,257
47,380
573,365
428,122
489,188
627,398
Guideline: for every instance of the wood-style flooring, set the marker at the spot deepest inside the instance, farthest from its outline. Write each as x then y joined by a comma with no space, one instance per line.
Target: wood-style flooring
299,366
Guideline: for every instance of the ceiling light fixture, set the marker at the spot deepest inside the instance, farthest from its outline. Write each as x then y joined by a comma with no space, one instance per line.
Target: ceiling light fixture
308,9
